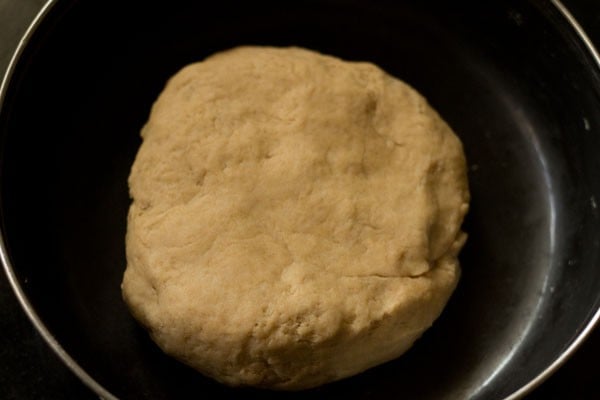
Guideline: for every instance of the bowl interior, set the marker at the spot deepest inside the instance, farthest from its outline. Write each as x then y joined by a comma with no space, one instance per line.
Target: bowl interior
510,77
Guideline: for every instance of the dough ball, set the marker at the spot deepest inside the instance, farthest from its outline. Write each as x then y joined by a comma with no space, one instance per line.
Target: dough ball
295,218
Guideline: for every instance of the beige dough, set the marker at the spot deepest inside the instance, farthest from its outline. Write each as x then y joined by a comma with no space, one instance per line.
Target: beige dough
295,218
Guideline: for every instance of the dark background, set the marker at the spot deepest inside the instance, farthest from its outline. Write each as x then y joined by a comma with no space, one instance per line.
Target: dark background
30,370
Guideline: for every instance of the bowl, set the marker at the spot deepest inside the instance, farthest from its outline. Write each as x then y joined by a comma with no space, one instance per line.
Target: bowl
518,81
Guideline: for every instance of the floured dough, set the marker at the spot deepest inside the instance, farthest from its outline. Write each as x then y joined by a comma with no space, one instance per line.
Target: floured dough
295,218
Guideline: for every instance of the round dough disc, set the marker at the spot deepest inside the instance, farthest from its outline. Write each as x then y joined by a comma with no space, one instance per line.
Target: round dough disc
295,217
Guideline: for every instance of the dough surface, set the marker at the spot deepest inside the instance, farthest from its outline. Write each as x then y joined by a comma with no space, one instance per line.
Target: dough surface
295,217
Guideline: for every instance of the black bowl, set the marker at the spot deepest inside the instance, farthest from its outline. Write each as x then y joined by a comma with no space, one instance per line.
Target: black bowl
515,79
